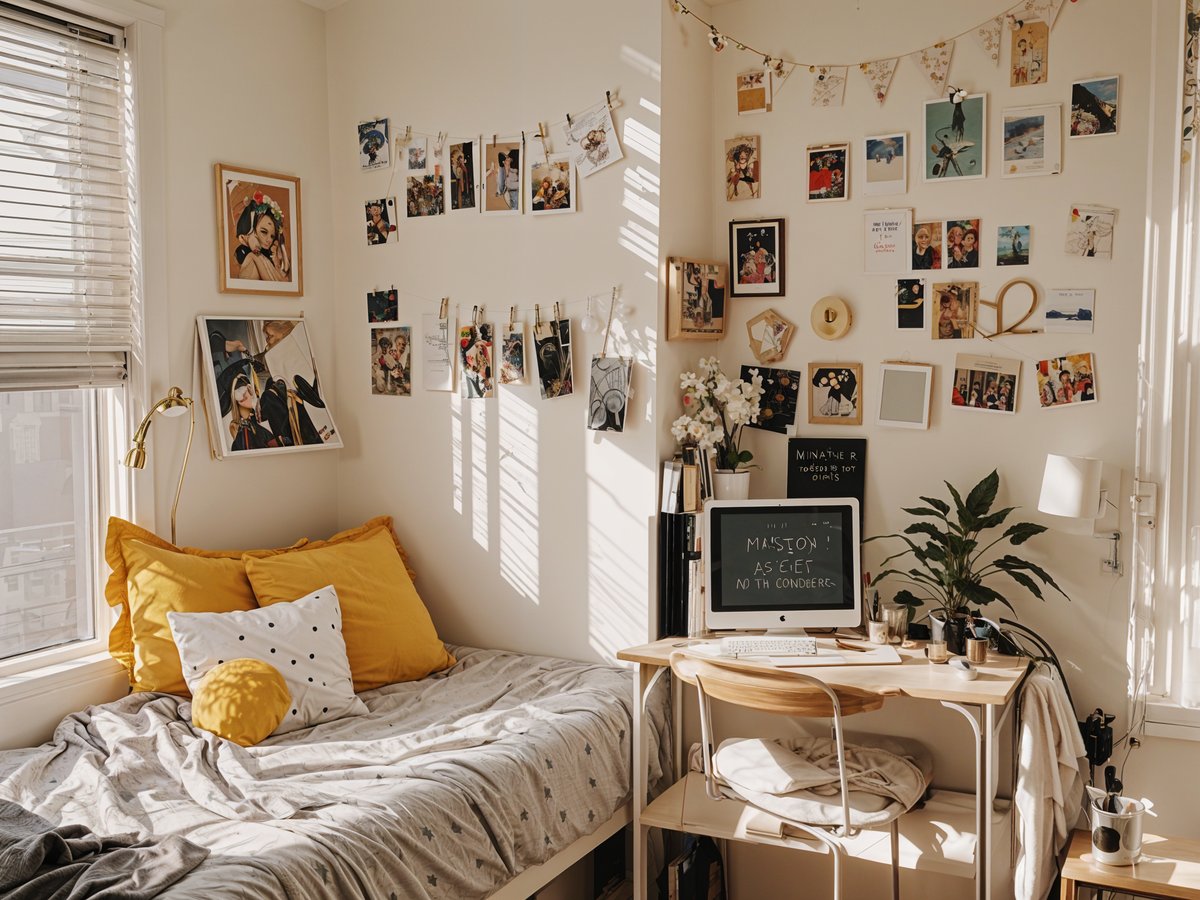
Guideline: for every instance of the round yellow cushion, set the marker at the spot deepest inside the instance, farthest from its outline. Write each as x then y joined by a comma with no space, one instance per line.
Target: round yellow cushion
242,700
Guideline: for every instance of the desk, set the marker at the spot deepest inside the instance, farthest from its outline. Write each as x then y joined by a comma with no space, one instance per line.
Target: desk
1168,868
985,703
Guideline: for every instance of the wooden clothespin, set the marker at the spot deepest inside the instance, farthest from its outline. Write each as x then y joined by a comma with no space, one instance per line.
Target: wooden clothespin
444,309
542,138
557,311
537,316
608,99
407,134
474,316
441,142
512,317
493,140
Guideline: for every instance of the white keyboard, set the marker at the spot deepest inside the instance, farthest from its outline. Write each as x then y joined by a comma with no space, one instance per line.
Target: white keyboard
768,646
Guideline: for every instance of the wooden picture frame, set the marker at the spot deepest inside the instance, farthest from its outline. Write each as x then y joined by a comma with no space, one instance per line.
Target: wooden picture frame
905,395
697,292
254,207
757,248
835,393
769,334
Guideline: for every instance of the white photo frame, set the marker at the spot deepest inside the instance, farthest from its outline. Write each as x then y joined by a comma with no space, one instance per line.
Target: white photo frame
885,164
463,176
550,182
1031,141
502,191
905,395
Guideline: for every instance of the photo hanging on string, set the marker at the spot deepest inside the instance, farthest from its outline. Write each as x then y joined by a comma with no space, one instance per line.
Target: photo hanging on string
551,185
374,149
391,361
464,169
383,306
437,367
552,347
512,354
592,138
608,396
381,221
503,173
426,195
475,361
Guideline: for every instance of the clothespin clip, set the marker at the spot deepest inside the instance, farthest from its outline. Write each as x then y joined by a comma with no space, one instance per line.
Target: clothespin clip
445,308
542,138
474,315
441,142
608,99
407,134
537,316
512,317
557,311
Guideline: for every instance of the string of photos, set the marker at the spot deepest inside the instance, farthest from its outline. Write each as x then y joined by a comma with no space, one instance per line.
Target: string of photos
502,174
470,359
1029,21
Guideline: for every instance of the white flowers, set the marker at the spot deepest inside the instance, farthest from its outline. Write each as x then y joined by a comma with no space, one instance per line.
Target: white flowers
715,409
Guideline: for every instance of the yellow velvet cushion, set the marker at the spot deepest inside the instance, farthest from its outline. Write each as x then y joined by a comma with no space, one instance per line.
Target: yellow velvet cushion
389,635
242,700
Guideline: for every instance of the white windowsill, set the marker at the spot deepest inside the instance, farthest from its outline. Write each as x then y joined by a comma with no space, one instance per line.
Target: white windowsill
1170,720
67,674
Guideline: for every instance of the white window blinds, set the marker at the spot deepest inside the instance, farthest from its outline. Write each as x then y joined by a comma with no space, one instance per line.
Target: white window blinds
66,236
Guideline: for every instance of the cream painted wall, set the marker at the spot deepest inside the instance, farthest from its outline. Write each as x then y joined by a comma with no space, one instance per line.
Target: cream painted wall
526,530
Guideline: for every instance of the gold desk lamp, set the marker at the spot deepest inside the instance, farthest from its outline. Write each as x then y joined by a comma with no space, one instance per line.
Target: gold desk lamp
174,404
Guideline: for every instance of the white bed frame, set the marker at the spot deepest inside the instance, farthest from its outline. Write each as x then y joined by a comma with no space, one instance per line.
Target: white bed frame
535,878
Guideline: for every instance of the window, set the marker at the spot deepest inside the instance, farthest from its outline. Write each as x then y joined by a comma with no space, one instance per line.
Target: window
68,320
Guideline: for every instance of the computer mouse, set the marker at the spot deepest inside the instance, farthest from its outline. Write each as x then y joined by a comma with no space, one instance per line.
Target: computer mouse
963,668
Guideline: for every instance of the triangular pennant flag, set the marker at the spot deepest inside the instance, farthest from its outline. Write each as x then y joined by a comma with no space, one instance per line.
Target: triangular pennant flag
935,64
1036,9
829,85
989,35
879,73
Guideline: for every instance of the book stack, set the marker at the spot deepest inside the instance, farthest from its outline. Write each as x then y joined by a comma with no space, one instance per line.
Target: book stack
687,481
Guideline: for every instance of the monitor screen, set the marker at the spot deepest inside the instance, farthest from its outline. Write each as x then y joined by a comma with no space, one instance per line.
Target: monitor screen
782,564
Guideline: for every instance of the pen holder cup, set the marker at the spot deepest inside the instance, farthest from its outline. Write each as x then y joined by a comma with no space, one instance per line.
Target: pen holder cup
877,632
977,649
1117,837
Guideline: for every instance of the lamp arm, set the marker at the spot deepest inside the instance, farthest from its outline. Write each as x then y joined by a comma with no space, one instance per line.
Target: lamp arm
143,429
183,468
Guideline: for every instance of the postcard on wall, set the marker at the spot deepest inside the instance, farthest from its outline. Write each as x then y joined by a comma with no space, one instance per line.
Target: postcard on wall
753,92
985,382
476,380
954,310
608,394
374,150
835,393
955,138
551,185
910,304
464,170
437,373
391,362
780,398
416,154
961,244
1066,380
502,177
885,164
512,354
552,349
1094,106
383,306
1090,232
926,246
426,195
886,241
695,300
1030,57
756,257
258,247
381,221
1032,141
828,173
263,388
742,175
592,137
1012,245
1070,310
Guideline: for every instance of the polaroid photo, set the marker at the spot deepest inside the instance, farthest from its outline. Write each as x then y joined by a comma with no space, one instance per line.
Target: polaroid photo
885,164
985,383
552,350
416,154
381,221
501,161
437,366
835,396
391,362
886,241
780,399
954,311
1090,232
475,361
743,180
910,304
961,244
1094,106
512,354
1069,310
926,246
551,185
464,171
592,137
426,195
608,393
828,173
955,139
383,306
1032,141
1012,245
1029,61
1066,380
753,92
374,149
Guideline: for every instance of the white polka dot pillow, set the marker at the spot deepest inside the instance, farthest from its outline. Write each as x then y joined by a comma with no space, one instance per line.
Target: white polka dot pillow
302,639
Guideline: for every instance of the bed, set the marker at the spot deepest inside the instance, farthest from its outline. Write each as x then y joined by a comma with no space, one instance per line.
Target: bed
449,787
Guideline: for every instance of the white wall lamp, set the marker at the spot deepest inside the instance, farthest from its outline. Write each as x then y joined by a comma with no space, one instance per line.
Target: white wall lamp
1074,487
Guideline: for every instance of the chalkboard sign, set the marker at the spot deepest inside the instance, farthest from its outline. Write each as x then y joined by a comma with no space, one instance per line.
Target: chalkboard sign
828,467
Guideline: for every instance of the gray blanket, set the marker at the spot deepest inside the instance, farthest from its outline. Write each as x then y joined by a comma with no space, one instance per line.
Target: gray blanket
41,861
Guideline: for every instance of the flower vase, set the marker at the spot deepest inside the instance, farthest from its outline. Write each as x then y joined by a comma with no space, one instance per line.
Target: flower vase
731,484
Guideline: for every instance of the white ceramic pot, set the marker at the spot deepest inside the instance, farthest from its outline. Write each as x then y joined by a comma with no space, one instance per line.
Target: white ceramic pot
731,484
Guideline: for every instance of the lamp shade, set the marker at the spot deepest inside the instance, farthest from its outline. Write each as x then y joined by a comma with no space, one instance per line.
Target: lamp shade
1071,487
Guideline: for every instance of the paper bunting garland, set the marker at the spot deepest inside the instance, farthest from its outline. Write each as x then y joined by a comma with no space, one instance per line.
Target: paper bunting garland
829,85
989,35
935,65
879,73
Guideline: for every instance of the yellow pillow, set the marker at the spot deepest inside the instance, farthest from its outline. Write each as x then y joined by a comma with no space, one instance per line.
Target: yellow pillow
242,700
389,635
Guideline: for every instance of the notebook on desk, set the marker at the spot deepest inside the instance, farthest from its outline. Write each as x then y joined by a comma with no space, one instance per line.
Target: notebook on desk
828,654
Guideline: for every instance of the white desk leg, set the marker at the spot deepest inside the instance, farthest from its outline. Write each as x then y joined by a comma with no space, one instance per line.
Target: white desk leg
647,677
982,729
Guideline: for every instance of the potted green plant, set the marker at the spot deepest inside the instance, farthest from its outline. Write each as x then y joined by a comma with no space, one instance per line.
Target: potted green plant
949,569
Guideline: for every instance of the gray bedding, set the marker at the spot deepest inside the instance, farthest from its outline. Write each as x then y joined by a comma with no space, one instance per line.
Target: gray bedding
447,788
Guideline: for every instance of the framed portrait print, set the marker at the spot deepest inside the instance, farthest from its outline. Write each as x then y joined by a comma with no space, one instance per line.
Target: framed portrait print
695,300
828,173
258,232
905,391
835,393
756,251
262,388
954,139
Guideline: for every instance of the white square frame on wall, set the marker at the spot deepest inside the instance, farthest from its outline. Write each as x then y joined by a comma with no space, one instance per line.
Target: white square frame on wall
905,395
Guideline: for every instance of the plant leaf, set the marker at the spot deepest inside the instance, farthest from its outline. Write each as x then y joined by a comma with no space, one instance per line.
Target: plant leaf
983,495
974,592
961,509
1025,581
909,599
1020,532
995,519
928,528
1009,563
922,511
940,505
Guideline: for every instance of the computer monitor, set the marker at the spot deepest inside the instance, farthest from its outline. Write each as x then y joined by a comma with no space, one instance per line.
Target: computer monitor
782,565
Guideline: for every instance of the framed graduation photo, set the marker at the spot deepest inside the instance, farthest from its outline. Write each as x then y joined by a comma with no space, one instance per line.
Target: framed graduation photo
258,232
756,258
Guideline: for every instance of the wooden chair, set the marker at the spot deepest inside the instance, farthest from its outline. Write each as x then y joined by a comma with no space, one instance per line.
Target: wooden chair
789,694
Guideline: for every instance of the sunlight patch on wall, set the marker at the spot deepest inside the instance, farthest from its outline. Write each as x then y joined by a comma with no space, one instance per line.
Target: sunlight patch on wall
479,473
642,139
640,62
518,494
456,453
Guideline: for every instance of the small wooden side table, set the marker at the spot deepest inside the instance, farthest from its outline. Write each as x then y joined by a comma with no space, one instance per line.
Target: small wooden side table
1168,868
